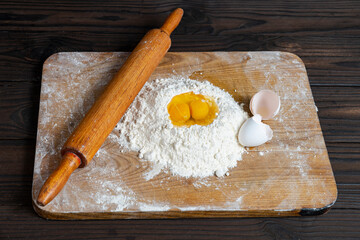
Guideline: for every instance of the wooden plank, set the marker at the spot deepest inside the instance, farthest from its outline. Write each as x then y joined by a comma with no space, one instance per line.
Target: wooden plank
21,222
18,110
16,170
264,180
339,119
255,17
325,67
329,49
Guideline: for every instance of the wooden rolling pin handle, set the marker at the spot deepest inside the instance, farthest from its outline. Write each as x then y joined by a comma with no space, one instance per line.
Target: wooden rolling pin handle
172,21
58,178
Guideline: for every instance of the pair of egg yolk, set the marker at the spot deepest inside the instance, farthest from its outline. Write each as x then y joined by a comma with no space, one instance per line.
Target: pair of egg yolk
189,108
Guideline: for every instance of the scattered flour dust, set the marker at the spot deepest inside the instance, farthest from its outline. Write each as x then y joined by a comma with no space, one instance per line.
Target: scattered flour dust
195,151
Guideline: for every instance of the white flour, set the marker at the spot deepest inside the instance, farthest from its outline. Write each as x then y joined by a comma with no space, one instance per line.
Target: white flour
195,151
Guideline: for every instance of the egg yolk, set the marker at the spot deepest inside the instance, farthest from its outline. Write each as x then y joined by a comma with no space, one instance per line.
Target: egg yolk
179,112
199,109
189,108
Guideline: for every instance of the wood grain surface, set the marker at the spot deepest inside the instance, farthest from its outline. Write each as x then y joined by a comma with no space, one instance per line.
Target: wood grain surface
323,33
288,176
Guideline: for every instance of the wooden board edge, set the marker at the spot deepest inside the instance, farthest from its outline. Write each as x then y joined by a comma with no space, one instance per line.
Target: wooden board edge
175,214
160,215
179,214
321,210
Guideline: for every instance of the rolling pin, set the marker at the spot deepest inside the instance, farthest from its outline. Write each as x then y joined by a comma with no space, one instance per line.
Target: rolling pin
107,111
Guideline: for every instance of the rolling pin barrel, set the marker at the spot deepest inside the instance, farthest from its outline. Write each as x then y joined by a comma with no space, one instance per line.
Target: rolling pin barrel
106,112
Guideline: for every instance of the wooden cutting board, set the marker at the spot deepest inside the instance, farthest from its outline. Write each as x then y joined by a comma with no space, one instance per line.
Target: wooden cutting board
290,175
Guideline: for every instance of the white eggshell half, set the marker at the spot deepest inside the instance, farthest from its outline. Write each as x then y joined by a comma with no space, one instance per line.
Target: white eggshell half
266,103
254,133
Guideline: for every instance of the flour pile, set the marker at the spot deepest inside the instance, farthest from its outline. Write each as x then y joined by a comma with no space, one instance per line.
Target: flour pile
195,151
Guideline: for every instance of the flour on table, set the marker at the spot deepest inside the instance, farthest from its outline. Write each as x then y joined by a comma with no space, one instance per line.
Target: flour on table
195,151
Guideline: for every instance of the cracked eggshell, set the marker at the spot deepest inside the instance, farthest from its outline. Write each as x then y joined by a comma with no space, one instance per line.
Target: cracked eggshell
266,103
254,133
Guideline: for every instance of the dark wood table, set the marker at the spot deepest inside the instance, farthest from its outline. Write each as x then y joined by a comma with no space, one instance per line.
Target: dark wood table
325,34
